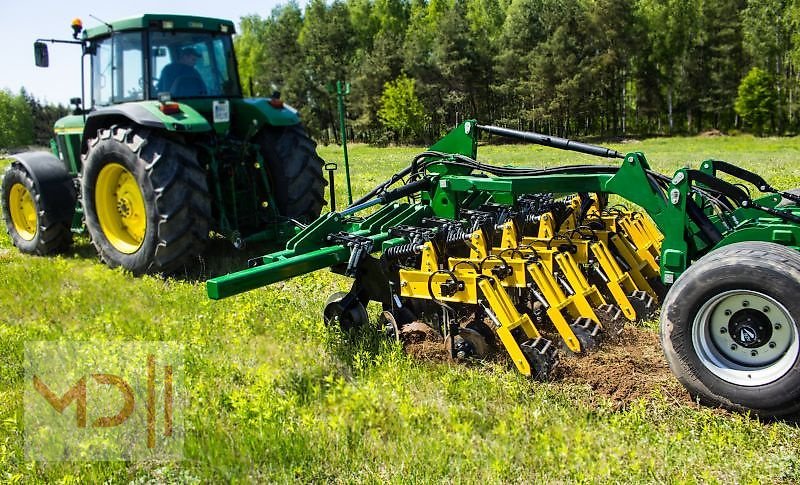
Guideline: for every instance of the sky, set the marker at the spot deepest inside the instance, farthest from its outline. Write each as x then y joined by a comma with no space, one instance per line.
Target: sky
23,23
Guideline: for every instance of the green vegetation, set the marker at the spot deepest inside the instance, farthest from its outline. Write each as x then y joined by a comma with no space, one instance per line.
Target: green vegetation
401,112
25,120
274,396
757,99
578,67
16,120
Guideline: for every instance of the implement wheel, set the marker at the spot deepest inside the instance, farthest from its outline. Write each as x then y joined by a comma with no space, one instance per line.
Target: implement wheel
145,200
31,228
295,171
345,311
730,328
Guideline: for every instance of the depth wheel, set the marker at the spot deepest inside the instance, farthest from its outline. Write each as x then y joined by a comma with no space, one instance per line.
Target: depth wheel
643,304
31,228
542,357
344,311
588,334
145,200
730,330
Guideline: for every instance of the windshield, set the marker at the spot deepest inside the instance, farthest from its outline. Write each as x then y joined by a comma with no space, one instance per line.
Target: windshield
192,65
117,74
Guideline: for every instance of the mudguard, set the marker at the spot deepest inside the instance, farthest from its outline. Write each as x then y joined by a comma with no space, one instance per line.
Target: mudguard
53,182
147,113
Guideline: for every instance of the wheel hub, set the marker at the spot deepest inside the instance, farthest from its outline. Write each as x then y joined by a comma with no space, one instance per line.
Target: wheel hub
124,207
750,328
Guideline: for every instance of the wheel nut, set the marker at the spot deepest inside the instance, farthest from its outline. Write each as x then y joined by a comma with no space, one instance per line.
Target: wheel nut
772,345
728,313
745,303
777,326
734,346
765,309
753,353
723,330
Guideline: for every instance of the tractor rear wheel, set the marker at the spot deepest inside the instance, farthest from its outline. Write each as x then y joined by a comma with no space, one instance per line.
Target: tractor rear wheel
730,328
295,170
145,200
31,228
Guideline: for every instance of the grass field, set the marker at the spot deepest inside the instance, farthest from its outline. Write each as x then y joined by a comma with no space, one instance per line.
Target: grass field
274,396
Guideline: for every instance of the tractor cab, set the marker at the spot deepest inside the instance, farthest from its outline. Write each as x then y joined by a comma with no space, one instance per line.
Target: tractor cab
183,59
147,57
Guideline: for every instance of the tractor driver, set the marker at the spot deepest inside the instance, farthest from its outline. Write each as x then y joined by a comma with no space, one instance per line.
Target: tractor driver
181,78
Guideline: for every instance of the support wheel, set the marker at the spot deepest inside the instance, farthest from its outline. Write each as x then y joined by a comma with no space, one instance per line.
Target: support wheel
145,200
730,329
542,357
32,228
643,304
345,311
295,171
588,334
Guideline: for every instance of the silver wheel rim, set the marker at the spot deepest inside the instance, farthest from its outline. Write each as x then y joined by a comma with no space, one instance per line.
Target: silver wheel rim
730,337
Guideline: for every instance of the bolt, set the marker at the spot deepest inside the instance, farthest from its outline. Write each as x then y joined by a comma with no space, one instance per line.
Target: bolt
745,303
778,326
461,355
772,345
728,313
734,346
723,330
765,309
753,353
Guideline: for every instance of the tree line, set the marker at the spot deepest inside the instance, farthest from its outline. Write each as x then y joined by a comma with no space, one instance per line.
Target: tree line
565,67
25,120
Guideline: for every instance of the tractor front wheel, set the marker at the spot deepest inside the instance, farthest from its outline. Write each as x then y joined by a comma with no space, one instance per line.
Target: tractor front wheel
32,229
730,328
145,200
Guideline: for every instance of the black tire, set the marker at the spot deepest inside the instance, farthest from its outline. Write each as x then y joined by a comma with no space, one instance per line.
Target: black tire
174,192
49,235
295,171
730,327
348,313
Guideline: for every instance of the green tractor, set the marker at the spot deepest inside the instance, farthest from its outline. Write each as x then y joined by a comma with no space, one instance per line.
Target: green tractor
167,154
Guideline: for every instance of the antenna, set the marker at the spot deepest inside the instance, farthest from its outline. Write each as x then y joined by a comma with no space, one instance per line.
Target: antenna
102,22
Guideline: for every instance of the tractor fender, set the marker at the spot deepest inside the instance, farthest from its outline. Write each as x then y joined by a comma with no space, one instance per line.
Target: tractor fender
264,113
146,113
53,181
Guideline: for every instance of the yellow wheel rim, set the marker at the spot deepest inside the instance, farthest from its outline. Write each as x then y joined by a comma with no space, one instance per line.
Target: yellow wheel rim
23,212
120,208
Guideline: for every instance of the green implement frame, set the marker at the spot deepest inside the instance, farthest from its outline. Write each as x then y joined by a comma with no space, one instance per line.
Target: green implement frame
694,209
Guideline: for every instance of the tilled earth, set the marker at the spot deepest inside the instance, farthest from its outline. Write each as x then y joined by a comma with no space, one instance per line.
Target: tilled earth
623,370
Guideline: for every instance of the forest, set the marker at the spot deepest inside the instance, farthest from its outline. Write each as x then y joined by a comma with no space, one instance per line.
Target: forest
580,68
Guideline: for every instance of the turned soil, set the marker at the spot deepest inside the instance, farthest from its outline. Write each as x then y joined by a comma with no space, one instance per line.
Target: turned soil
625,369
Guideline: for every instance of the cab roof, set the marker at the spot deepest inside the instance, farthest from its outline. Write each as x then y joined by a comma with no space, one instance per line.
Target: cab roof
162,22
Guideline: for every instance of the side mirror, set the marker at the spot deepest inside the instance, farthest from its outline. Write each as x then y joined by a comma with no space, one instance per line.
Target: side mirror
40,54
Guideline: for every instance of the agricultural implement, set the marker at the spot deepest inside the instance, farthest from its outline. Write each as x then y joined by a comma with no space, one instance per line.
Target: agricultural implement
538,261
167,153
